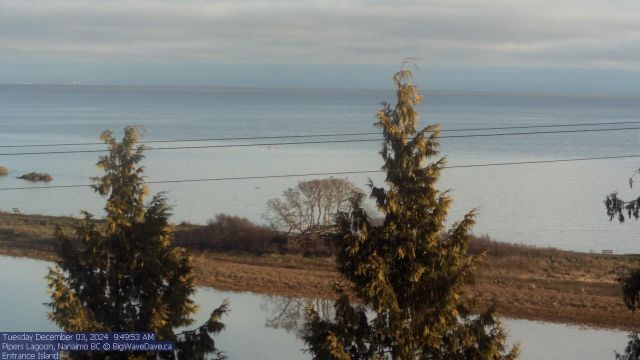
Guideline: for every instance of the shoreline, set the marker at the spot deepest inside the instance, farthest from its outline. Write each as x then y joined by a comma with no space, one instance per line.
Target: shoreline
526,283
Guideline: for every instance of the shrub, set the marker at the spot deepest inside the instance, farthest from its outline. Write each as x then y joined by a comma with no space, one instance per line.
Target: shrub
4,171
482,244
229,233
34,176
316,241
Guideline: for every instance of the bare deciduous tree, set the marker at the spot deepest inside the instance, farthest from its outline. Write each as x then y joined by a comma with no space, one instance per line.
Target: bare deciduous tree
310,204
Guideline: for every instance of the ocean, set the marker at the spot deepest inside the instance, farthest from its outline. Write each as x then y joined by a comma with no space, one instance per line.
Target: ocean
550,204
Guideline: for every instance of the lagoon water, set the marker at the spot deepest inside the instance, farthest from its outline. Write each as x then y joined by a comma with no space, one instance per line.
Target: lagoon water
545,204
258,322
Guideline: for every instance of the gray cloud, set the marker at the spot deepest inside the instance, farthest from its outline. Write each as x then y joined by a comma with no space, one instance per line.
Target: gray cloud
569,33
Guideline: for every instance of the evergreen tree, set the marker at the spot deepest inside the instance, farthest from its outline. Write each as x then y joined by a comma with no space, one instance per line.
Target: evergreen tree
124,275
408,272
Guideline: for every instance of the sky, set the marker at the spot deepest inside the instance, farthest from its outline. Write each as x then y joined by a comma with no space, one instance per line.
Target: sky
495,45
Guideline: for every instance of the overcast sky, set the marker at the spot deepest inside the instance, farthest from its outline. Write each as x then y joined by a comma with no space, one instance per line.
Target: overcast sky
547,45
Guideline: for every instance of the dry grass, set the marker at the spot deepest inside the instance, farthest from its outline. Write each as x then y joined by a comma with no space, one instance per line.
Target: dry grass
266,275
4,171
31,232
568,288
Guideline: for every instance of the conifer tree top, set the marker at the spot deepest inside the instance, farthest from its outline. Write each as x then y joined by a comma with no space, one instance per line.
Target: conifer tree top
409,270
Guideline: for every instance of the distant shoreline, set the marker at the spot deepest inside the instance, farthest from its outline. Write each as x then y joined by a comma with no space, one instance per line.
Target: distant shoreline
527,283
208,88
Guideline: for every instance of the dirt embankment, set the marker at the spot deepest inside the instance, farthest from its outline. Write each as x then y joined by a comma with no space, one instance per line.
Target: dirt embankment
565,287
527,283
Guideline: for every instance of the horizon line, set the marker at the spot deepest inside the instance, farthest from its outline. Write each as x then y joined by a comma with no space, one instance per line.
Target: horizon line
324,89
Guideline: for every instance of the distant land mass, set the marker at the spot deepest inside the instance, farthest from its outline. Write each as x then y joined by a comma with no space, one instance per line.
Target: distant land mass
322,76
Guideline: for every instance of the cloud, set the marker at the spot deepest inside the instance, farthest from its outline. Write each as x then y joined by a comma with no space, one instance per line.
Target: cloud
570,33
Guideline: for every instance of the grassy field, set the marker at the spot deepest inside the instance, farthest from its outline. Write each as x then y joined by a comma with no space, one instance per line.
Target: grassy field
526,283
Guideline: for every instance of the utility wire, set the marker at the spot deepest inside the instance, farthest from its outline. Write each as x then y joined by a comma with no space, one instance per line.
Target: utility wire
314,142
511,163
323,135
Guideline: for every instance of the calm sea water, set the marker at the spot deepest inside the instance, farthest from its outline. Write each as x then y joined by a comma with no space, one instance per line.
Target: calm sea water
546,205
259,322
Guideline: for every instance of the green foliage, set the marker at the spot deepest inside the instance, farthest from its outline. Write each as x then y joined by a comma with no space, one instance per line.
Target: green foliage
409,272
630,280
125,275
617,208
197,342
632,350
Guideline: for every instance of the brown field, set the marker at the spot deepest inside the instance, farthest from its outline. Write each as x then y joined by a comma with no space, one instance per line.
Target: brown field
526,283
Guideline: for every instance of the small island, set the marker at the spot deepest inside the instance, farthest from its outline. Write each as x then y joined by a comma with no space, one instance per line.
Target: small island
34,176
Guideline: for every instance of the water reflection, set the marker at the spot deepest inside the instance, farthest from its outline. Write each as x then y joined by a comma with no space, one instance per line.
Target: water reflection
259,322
289,313
539,340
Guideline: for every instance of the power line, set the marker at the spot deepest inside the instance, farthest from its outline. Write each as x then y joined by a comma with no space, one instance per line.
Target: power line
316,142
511,163
323,135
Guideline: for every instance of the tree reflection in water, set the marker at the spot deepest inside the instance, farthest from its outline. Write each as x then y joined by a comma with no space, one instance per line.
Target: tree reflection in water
288,313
